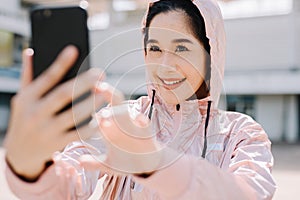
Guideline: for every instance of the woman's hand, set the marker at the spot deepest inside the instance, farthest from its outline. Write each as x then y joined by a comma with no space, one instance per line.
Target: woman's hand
37,129
129,140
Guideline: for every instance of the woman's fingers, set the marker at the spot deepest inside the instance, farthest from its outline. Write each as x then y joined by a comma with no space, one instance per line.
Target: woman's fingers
111,94
59,141
119,119
79,112
48,79
119,131
142,121
71,90
83,133
27,73
96,162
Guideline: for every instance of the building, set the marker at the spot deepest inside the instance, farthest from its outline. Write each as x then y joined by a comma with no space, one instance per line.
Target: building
262,74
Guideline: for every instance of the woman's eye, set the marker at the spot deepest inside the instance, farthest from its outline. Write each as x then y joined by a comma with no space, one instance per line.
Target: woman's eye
181,48
154,48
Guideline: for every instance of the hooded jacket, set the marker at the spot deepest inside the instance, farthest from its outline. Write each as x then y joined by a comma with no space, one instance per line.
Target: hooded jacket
236,162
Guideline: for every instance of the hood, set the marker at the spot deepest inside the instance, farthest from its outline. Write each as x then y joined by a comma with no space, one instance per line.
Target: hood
215,31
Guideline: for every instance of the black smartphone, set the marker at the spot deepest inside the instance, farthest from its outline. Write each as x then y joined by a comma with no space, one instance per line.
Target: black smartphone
53,28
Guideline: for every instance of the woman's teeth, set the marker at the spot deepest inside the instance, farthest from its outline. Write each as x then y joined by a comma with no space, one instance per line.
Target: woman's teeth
172,82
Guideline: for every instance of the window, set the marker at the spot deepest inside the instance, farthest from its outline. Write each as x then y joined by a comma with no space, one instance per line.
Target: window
254,8
241,103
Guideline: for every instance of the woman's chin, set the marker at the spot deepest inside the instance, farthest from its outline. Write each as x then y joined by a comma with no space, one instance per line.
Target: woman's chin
174,97
171,98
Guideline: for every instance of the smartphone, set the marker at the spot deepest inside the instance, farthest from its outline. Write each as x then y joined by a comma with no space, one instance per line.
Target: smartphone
53,28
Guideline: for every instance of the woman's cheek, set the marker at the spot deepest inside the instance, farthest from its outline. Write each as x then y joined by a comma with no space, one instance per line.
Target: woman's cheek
151,73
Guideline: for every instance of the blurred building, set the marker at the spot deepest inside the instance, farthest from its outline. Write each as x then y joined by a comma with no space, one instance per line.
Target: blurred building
263,65
262,75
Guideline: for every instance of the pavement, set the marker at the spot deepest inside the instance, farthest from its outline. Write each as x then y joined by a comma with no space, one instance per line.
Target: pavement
286,173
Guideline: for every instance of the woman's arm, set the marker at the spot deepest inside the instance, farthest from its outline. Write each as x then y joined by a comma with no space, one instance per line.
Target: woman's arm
37,129
246,176
65,179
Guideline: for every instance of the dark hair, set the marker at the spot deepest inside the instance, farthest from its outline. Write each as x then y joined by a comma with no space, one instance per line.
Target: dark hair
196,24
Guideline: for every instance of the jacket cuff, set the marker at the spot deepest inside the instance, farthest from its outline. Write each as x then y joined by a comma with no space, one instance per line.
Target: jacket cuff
22,188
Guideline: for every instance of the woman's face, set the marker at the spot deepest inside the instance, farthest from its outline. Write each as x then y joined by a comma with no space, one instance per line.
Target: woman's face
175,59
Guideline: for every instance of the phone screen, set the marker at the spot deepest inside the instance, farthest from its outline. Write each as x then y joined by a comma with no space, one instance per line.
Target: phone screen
55,28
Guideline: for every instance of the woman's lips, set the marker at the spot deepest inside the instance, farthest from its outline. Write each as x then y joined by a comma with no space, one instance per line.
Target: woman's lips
171,84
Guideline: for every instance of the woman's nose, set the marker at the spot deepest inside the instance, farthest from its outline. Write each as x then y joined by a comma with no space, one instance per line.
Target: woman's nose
168,61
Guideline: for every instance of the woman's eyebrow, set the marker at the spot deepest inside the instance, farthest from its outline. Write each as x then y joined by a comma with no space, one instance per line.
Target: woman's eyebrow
182,40
152,41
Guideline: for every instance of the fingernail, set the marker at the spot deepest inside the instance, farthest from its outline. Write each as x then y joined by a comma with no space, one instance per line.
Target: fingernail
93,124
71,49
102,86
29,52
106,113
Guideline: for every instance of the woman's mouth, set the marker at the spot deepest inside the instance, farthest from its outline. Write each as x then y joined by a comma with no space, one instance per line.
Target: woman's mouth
171,84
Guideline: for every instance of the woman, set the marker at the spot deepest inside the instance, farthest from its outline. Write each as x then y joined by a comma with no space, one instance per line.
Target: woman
196,151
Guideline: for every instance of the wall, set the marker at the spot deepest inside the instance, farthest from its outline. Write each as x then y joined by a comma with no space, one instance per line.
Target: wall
13,18
260,43
278,115
120,53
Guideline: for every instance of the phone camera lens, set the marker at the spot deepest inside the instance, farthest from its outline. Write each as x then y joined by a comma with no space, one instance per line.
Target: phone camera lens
47,13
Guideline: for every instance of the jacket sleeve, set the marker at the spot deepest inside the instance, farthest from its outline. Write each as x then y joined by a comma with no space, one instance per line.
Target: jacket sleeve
244,174
65,179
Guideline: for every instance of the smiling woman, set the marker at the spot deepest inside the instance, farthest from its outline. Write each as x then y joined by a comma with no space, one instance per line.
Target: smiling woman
176,60
177,52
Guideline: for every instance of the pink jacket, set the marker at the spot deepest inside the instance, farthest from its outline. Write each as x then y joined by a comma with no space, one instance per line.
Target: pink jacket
237,166
237,163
